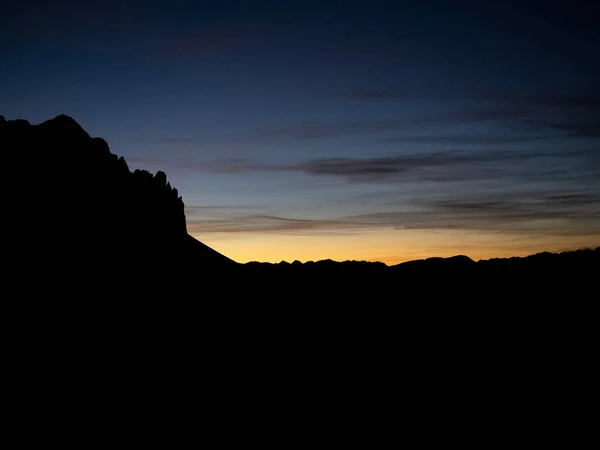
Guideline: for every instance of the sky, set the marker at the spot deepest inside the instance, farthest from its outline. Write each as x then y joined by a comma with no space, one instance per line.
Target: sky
346,130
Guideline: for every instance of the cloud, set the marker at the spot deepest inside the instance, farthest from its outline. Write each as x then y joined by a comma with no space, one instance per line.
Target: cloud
445,166
257,223
389,168
325,129
240,165
574,199
535,213
202,209
568,128
569,115
507,119
581,100
467,139
556,207
518,213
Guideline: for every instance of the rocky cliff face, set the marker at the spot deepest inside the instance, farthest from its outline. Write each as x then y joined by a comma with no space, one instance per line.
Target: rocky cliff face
69,172
73,208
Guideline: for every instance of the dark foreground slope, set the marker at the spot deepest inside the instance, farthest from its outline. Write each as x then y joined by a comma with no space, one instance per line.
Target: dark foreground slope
543,277
107,299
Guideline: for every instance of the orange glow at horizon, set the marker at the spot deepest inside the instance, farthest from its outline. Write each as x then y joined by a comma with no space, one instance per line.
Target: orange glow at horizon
387,246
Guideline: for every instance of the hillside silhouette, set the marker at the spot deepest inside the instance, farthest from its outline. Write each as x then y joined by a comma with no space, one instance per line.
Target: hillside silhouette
106,292
80,223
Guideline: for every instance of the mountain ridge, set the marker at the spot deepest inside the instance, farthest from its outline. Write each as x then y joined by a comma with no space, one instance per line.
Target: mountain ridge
105,228
95,217
464,259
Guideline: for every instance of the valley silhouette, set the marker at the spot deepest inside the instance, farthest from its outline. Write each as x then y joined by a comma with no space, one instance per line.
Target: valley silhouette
81,225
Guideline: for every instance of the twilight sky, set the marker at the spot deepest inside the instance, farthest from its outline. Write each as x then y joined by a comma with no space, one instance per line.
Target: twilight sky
364,130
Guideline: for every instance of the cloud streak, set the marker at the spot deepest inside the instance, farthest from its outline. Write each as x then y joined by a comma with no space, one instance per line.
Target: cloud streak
526,213
519,213
446,166
549,116
466,139
262,223
422,165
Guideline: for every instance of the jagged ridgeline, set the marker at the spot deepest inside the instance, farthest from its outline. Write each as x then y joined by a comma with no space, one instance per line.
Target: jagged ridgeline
76,206
75,215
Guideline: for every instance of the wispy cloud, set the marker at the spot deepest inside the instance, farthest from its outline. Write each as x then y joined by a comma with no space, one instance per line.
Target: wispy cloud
467,139
582,100
582,128
257,223
241,165
519,213
422,165
570,115
446,166
203,209
506,118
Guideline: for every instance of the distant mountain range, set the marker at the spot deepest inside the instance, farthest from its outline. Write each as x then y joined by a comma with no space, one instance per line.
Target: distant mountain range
81,223
539,262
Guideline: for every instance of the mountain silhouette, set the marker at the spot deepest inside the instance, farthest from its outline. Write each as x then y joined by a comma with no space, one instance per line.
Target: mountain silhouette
457,263
81,224
102,282
81,221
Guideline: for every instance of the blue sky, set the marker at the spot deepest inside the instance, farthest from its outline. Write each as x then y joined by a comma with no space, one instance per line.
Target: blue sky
345,130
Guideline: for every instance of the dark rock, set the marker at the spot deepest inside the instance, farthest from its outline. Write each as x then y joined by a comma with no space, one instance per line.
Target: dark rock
80,221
